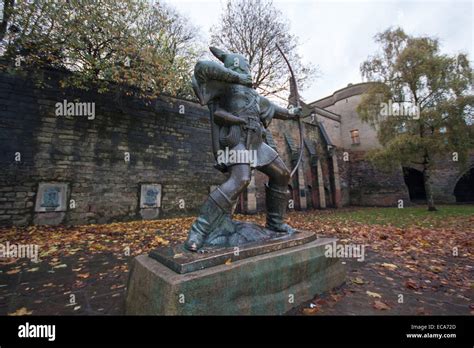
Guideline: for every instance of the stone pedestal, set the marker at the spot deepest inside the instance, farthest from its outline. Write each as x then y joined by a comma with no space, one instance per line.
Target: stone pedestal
266,284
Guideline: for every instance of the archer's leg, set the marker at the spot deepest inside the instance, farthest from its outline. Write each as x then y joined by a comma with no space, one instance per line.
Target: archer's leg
219,203
276,195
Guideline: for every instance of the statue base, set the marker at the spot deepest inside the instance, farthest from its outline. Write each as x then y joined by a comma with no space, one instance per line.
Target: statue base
232,233
182,260
269,279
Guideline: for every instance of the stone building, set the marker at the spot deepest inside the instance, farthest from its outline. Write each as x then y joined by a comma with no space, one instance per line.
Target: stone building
137,159
334,172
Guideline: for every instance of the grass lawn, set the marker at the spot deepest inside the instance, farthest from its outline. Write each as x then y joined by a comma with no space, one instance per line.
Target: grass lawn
411,216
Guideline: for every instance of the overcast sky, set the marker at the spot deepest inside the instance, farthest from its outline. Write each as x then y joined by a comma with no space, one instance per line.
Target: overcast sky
337,36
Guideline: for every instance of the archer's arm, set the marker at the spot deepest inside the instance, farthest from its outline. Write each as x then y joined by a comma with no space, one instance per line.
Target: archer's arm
282,113
270,110
208,70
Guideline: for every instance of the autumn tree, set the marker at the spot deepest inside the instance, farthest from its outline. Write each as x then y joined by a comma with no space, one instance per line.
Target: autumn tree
421,103
135,43
252,28
7,9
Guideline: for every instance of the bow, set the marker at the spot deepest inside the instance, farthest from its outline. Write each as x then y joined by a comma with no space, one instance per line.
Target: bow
297,96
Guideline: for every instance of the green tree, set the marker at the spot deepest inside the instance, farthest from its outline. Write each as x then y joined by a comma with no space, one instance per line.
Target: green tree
7,8
428,96
135,43
252,28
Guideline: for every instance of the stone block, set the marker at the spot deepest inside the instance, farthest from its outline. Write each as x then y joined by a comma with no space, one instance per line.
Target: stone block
51,197
267,284
150,214
150,196
49,218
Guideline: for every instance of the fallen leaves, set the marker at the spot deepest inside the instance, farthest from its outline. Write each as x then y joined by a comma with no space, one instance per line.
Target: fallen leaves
390,266
380,305
61,266
415,257
421,311
411,284
311,311
357,280
55,242
436,269
160,240
373,294
21,311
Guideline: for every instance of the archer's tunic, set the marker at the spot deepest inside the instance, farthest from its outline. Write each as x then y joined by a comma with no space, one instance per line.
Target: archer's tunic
244,102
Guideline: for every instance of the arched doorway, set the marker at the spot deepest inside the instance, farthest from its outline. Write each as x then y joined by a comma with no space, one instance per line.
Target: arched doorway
464,190
414,181
309,198
328,197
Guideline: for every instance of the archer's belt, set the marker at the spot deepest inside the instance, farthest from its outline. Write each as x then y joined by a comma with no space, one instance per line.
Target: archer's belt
253,124
252,130
250,133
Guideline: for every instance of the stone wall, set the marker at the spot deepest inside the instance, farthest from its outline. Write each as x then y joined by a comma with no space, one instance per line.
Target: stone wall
344,103
100,166
89,155
446,175
304,184
373,187
343,159
333,129
368,184
101,169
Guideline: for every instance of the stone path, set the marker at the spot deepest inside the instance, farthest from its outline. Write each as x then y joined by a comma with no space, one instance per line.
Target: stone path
97,289
96,285
352,297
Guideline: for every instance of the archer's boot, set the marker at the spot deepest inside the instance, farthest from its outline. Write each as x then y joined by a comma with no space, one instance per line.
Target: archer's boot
212,211
276,200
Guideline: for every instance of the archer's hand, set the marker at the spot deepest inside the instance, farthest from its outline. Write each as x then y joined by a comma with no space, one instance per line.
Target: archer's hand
296,112
246,80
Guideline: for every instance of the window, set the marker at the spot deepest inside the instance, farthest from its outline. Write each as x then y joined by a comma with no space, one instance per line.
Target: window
355,137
